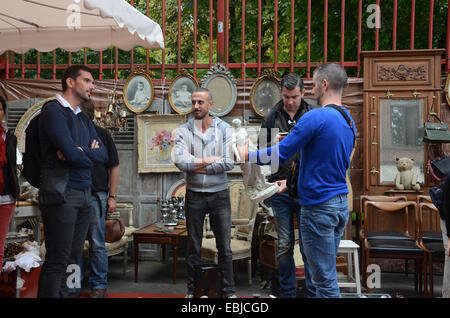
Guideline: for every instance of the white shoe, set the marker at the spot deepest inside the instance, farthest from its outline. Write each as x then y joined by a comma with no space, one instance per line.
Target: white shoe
189,296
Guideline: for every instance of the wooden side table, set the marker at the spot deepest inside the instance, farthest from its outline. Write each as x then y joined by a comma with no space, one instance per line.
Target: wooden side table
149,235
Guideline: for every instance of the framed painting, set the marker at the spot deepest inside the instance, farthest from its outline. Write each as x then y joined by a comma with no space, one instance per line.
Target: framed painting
156,139
180,92
138,92
222,86
264,94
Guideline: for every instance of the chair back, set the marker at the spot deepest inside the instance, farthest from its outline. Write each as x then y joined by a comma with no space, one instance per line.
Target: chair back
243,211
429,225
376,198
387,216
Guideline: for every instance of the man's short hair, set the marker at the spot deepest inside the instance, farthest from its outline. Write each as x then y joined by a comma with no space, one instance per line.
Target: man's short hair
88,108
290,81
3,102
73,72
334,74
202,90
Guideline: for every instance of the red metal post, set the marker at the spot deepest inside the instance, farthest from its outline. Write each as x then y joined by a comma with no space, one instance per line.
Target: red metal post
243,42
377,30
394,26
325,32
342,31
54,65
292,34
195,38
220,31
163,53
179,36
7,65
22,68
359,37
211,33
430,25
259,36
308,53
275,38
116,69
413,22
100,66
448,39
227,31
38,65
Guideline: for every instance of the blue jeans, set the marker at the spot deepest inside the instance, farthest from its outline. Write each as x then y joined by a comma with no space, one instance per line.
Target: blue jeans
322,227
217,204
98,257
284,208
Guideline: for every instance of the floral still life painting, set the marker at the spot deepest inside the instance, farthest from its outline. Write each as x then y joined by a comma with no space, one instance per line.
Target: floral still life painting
156,139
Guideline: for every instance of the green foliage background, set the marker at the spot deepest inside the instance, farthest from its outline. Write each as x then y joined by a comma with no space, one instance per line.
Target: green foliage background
251,34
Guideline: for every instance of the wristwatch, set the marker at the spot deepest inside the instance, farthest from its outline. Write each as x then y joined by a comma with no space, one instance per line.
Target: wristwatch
114,196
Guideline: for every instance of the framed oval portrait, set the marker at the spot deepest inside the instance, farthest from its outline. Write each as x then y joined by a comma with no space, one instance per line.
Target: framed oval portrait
447,90
138,92
222,86
265,93
180,92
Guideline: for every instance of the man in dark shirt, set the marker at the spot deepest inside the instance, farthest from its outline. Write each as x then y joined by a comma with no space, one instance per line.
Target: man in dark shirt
283,116
67,139
105,181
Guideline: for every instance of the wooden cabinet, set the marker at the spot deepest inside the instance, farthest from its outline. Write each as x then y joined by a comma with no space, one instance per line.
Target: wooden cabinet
400,88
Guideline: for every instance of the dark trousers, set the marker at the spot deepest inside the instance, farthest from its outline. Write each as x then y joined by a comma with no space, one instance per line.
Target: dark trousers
217,204
65,228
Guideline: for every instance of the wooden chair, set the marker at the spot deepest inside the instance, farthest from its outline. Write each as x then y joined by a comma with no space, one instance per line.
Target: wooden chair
428,236
391,218
243,213
375,235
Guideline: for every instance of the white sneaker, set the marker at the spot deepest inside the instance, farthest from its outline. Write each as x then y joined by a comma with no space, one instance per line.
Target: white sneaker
232,296
189,296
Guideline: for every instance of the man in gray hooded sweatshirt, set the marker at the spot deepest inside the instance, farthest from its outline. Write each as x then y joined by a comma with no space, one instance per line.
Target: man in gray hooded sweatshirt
202,151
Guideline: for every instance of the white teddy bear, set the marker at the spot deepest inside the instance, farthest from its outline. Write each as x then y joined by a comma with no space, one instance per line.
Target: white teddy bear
405,178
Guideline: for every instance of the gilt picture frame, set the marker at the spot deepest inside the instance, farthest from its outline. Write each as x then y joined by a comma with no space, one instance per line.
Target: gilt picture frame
264,94
222,86
180,93
156,139
138,92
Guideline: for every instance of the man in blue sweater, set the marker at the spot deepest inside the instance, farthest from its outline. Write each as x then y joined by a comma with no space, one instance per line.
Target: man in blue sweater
325,140
68,138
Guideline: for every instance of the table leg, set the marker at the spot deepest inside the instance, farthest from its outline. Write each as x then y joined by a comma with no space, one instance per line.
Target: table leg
175,257
136,260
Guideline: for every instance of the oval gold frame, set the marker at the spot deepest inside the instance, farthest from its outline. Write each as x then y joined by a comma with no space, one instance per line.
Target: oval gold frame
24,121
183,74
447,90
132,108
254,88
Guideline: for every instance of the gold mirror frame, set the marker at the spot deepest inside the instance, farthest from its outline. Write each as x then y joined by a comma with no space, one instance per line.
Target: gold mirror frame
447,90
130,80
255,88
183,75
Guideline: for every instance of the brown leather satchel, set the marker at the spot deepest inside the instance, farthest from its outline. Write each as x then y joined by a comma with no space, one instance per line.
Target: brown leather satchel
114,230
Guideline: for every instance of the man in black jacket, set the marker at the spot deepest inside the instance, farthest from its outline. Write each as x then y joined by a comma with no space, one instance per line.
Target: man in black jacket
445,222
105,182
283,116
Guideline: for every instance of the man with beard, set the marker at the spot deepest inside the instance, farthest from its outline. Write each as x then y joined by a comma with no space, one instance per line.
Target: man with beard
325,136
68,140
203,152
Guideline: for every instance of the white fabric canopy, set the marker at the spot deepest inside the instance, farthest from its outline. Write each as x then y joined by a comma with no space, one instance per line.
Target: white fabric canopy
71,25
